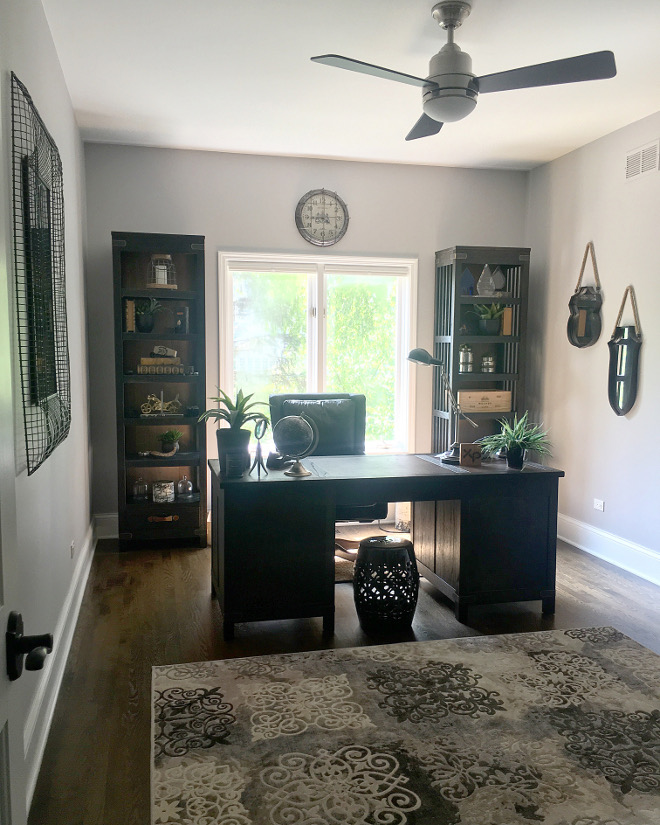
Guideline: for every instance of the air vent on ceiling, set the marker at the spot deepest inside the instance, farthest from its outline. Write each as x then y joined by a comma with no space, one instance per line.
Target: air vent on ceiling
643,160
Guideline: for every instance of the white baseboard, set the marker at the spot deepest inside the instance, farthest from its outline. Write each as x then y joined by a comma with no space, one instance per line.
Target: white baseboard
635,558
106,525
40,714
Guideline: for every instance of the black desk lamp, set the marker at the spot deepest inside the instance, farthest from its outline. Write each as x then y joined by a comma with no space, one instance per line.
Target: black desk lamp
453,454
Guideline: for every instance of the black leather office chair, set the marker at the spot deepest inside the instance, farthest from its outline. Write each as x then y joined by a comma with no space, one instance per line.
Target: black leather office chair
340,419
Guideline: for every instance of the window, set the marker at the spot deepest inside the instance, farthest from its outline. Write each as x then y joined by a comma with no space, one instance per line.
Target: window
307,323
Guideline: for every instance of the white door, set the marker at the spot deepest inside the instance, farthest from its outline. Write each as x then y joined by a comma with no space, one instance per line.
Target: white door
12,772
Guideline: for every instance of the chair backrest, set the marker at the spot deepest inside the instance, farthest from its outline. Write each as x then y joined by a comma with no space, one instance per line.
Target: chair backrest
340,418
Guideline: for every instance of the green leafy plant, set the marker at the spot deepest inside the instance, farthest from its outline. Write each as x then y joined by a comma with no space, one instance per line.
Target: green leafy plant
235,413
148,306
170,436
521,433
489,312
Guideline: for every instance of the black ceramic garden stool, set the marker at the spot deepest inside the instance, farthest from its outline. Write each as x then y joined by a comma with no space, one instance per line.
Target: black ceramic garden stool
385,583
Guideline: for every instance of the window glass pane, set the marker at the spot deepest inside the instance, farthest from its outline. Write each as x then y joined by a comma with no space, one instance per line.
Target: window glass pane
361,339
270,333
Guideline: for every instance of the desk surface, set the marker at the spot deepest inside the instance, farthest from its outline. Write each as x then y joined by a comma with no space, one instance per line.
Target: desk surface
340,468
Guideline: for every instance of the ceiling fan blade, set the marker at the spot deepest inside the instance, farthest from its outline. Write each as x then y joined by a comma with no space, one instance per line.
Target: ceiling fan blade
368,68
424,127
594,66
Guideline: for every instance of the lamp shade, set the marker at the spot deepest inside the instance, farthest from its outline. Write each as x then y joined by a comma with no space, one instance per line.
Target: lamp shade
421,356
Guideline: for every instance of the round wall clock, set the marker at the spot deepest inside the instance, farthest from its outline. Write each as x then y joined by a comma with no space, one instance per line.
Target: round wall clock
321,217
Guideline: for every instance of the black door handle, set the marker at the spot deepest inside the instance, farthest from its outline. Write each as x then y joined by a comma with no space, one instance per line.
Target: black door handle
18,645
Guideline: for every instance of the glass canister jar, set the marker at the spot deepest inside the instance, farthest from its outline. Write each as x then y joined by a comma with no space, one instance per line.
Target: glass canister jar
184,488
140,490
488,363
465,359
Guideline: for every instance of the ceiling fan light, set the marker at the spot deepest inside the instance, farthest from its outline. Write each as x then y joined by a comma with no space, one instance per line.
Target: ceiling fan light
449,107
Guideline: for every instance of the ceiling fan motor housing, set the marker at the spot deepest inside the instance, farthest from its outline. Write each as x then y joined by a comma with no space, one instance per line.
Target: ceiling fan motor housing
455,94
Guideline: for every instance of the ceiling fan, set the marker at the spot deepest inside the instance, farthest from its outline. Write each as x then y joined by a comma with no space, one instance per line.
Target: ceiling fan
450,91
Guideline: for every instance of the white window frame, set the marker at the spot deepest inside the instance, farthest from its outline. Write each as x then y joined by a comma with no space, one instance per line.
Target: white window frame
316,266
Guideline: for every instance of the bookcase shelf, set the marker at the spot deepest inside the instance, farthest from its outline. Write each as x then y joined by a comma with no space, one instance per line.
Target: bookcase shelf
183,518
457,327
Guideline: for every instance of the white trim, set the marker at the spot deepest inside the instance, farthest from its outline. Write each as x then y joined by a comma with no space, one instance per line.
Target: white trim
106,525
315,264
411,387
40,714
635,558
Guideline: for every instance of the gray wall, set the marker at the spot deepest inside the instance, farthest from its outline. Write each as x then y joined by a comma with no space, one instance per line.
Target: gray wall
247,202
42,514
580,197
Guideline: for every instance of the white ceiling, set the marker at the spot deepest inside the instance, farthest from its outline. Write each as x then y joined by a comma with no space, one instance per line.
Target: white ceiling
235,76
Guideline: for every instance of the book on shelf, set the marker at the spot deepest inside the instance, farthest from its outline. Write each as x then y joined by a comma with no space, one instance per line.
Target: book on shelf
160,361
129,315
160,369
507,321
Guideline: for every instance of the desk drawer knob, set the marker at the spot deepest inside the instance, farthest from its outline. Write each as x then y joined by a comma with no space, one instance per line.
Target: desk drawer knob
163,518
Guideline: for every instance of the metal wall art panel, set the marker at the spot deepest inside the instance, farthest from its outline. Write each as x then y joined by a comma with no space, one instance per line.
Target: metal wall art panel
38,206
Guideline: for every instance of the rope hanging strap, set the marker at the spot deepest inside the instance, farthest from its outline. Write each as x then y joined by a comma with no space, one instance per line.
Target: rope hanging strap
633,300
590,248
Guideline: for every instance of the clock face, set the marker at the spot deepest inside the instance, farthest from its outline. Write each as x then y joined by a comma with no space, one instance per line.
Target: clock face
321,217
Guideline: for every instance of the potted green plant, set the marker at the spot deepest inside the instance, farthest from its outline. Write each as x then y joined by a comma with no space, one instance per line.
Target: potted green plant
169,441
145,310
490,316
233,440
516,437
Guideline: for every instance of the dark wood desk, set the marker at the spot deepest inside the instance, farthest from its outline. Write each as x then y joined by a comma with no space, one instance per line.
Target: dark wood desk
481,535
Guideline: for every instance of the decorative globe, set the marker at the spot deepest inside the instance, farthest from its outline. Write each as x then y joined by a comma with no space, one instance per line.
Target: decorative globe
294,436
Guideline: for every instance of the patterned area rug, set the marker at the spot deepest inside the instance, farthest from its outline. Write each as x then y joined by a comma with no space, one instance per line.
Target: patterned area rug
559,728
345,555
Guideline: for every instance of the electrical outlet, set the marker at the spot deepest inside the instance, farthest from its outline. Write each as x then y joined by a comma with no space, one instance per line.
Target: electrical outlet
599,505
73,548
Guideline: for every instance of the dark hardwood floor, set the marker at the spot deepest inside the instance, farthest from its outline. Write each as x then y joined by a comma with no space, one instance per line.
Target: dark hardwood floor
153,607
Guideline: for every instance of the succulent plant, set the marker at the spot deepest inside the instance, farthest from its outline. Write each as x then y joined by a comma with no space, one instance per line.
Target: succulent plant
235,413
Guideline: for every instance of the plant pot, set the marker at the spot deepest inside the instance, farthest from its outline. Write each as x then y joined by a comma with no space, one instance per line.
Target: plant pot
169,446
144,322
515,458
233,451
489,326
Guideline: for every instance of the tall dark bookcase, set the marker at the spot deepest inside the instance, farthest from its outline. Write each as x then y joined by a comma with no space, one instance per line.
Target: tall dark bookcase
179,327
456,325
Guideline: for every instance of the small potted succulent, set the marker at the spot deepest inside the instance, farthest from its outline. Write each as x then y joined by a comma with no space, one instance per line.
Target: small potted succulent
233,440
490,317
145,310
516,437
169,441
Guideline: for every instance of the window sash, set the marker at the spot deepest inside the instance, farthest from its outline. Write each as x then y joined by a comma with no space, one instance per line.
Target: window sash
316,267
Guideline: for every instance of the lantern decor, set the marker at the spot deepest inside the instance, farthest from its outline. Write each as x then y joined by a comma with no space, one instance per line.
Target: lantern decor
162,272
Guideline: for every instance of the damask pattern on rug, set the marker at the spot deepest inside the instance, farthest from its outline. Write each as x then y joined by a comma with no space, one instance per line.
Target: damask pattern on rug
432,692
545,728
353,784
190,719
280,709
624,746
